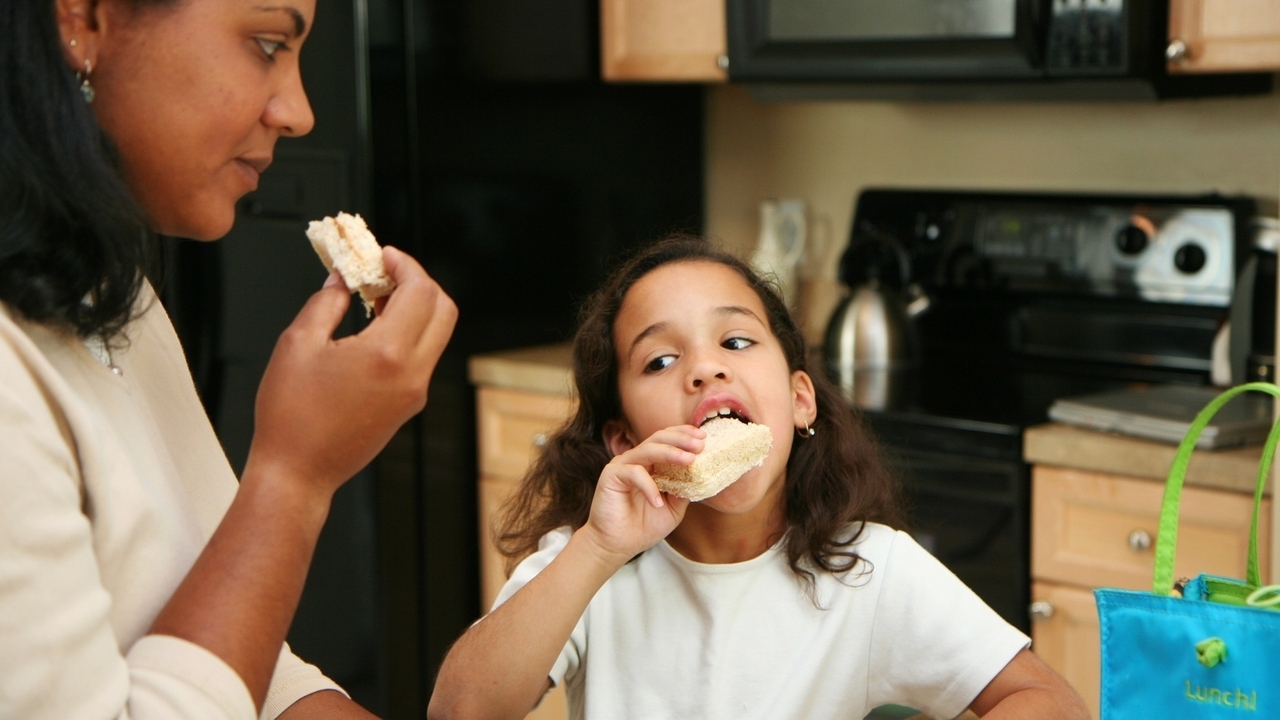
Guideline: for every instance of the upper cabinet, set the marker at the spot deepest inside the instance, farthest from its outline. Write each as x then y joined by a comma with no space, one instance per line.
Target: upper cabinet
663,40
1223,35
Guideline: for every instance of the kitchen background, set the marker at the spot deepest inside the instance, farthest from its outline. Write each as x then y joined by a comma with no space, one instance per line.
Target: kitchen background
481,138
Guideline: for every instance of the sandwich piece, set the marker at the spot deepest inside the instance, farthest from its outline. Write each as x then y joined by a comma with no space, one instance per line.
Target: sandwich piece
732,448
345,244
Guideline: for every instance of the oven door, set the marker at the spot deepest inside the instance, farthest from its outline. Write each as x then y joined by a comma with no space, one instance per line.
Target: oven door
973,515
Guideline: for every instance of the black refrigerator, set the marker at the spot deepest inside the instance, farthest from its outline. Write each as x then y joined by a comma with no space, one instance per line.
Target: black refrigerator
478,137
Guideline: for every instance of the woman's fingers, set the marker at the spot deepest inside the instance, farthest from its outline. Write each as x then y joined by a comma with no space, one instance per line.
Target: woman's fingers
325,309
417,312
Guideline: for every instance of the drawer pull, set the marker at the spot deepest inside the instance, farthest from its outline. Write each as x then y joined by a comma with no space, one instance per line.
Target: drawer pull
1139,541
540,440
1040,610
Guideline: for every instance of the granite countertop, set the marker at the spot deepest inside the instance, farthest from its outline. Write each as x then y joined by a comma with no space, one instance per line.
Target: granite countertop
548,369
1072,447
542,369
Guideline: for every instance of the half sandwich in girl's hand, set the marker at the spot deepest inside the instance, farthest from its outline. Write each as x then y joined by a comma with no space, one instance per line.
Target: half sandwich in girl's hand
345,244
732,448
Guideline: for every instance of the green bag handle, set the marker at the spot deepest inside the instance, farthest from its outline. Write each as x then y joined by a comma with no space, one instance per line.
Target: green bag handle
1167,540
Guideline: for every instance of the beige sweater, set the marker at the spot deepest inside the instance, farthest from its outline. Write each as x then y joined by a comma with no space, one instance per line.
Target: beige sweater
110,485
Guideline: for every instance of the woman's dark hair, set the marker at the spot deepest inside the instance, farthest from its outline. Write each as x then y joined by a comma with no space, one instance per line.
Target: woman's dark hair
835,478
69,228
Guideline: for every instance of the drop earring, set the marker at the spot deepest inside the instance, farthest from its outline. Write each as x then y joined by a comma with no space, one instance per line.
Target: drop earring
83,77
807,432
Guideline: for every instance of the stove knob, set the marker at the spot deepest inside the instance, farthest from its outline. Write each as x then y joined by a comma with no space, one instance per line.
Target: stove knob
1189,258
1131,239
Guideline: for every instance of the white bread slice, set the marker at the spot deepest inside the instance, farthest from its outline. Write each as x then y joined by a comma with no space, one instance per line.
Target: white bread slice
732,448
345,244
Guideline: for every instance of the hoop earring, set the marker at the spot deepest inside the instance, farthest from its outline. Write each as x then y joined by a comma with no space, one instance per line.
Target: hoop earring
83,77
807,433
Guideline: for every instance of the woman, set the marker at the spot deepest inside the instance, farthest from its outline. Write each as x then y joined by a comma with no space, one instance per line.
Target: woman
137,579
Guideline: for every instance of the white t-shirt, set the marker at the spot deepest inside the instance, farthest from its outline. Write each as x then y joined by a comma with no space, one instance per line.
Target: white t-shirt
667,637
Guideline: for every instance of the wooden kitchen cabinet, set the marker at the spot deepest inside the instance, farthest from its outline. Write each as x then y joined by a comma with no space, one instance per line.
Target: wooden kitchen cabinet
511,426
1224,35
1092,529
663,40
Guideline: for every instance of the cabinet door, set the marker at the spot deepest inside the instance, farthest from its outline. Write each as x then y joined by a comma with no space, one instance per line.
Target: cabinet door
1224,35
1097,530
663,40
513,425
1064,633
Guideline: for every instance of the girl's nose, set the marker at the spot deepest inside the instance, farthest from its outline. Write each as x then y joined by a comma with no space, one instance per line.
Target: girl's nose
706,369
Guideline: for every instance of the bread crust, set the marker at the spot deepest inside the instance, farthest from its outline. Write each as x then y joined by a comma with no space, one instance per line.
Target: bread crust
345,244
732,448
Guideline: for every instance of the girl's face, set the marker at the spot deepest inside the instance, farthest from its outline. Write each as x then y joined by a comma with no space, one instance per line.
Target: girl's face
693,337
194,94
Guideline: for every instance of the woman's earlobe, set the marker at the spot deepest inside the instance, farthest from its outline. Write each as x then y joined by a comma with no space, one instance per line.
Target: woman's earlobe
617,437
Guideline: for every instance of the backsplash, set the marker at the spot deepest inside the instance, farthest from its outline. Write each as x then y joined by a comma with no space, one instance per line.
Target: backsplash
825,152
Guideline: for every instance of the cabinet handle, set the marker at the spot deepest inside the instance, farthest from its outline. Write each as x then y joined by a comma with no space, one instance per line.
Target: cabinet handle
540,440
1040,610
1177,51
1139,541
722,62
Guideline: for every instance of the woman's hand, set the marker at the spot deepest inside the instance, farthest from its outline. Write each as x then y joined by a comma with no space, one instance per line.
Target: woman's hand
629,514
326,407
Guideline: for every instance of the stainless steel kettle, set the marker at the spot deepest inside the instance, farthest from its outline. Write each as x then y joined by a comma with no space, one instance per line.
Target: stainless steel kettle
870,341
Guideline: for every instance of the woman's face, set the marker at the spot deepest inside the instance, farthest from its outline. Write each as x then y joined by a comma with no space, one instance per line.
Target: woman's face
194,94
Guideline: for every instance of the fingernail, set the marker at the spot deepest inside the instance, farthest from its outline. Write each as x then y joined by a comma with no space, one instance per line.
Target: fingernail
657,501
332,280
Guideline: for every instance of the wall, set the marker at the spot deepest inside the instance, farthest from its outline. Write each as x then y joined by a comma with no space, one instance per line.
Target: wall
825,152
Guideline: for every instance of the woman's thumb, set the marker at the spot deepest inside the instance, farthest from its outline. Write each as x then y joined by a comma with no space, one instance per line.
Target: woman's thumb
325,309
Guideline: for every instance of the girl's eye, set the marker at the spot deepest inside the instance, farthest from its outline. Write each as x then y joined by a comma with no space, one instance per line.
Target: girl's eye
738,343
661,362
269,47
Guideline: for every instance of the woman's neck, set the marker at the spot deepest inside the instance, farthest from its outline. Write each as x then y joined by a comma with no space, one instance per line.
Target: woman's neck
709,536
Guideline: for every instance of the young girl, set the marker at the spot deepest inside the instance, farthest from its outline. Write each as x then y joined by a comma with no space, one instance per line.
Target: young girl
787,595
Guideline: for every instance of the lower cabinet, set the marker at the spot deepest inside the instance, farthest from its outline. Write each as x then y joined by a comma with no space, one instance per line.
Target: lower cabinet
1091,530
512,426
1064,633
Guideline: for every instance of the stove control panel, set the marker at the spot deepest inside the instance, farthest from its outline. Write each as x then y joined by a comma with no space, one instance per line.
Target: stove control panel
1172,250
1160,253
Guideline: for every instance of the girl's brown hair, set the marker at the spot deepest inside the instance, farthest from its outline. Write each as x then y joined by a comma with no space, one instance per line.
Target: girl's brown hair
834,478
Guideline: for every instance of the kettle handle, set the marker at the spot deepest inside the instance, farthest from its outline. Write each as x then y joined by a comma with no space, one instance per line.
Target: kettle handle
866,234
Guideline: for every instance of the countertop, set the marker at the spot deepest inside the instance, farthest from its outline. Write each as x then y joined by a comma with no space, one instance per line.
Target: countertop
1078,448
548,369
542,369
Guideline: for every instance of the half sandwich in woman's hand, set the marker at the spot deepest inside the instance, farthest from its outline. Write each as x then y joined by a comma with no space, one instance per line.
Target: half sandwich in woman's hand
345,244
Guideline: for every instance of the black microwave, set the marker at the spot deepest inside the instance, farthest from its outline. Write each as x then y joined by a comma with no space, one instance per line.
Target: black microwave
963,49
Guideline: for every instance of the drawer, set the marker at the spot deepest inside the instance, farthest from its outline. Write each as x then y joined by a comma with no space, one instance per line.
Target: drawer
1098,530
1064,633
512,425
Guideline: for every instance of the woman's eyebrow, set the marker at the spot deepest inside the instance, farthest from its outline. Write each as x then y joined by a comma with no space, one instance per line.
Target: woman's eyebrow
299,23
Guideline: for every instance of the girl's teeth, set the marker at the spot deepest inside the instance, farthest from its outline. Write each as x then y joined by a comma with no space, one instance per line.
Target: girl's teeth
722,411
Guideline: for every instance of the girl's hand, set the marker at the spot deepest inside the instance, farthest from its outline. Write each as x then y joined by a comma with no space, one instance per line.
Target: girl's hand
326,407
629,514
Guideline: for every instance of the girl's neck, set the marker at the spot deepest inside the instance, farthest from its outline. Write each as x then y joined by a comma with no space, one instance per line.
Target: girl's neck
712,537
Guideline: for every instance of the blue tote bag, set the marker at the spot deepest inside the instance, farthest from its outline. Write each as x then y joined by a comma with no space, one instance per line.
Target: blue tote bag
1214,652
